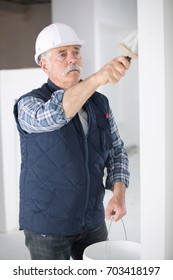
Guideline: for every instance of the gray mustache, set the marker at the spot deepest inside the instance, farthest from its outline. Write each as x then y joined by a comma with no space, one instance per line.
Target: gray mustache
70,68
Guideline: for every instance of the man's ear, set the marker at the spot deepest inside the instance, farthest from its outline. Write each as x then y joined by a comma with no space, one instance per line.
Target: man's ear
43,65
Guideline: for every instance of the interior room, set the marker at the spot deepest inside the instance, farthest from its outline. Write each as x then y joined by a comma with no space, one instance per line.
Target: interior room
143,123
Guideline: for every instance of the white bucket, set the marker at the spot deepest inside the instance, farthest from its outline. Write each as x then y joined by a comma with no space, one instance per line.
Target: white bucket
113,250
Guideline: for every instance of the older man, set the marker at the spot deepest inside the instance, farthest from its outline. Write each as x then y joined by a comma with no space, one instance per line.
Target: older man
68,137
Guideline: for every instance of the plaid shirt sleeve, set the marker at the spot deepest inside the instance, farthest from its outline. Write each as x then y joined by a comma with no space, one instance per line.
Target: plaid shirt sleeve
35,115
117,163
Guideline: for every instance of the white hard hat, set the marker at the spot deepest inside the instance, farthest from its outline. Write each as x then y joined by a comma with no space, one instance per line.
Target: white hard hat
53,36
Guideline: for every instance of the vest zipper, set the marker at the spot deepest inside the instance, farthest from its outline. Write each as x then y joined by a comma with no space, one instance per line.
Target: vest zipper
86,155
87,180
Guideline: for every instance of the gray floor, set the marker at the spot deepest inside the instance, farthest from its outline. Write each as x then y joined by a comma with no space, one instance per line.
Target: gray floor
12,244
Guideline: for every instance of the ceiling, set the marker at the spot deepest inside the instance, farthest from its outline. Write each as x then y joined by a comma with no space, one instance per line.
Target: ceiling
27,1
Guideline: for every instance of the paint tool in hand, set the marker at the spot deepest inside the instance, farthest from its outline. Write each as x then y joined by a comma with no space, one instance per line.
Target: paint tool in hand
129,45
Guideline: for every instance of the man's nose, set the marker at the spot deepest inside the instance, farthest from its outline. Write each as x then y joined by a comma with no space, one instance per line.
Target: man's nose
71,58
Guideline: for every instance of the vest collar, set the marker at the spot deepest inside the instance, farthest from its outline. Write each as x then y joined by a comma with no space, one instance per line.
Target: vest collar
52,86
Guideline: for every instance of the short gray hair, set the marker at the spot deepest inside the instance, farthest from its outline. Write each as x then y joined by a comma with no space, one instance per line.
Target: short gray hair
40,56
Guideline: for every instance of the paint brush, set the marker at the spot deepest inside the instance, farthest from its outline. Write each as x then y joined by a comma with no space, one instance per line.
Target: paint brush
129,45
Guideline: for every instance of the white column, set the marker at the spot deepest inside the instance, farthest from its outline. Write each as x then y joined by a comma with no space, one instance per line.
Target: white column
155,128
168,21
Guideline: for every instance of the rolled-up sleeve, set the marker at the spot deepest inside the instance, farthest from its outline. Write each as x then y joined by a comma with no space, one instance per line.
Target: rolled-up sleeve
117,163
36,116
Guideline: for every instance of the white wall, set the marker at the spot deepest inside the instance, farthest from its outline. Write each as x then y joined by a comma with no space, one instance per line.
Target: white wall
13,83
156,132
102,26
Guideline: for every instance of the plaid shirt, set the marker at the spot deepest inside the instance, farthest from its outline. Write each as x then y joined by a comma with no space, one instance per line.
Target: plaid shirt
36,116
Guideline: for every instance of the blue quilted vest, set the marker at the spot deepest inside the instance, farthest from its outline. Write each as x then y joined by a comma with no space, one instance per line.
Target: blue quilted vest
61,178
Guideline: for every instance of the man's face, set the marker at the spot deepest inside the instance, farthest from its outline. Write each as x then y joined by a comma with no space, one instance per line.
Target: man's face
63,65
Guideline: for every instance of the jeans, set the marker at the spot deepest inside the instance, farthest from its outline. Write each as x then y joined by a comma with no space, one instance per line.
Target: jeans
59,247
